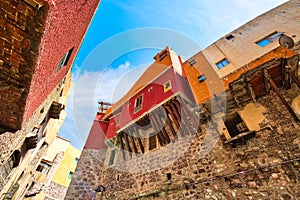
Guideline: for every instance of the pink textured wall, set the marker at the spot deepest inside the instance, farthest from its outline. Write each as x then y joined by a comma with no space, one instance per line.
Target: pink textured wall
66,24
96,136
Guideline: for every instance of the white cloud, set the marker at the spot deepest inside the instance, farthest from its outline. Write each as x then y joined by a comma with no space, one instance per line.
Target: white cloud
204,21
114,83
109,85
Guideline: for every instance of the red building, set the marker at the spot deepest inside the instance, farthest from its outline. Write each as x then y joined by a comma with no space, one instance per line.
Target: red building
151,113
38,42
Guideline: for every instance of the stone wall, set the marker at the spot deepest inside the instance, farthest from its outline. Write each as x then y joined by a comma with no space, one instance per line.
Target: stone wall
86,177
266,166
55,191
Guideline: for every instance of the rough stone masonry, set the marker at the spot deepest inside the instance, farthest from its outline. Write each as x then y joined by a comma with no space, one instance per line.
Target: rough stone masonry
266,166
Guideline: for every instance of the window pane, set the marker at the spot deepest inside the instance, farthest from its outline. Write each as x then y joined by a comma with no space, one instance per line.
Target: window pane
222,63
263,43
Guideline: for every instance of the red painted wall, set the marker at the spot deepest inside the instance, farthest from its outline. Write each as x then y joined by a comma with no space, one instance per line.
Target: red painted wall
97,133
66,24
150,99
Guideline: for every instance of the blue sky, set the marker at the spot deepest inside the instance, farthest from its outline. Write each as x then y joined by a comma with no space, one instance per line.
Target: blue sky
110,59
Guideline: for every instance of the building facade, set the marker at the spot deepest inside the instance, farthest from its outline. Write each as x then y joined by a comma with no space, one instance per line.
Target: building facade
38,46
240,140
54,172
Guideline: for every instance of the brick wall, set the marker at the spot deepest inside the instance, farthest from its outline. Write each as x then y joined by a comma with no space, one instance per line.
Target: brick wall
265,167
33,39
21,27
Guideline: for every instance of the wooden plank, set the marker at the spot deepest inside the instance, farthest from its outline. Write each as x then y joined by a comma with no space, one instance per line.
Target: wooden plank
177,115
283,100
250,89
295,78
185,120
139,139
156,130
169,123
122,146
127,144
133,143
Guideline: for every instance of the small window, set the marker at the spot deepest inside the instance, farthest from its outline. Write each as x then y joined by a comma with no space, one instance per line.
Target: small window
150,89
269,39
138,103
163,55
235,125
43,168
70,175
192,62
169,176
167,86
230,37
201,78
64,60
222,63
76,160
112,158
152,142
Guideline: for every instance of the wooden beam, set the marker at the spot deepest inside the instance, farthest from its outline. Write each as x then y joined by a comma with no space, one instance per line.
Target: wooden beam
160,124
295,78
168,121
266,80
122,146
186,122
250,89
234,97
139,139
167,107
133,143
284,100
192,115
127,144
285,74
156,130
178,116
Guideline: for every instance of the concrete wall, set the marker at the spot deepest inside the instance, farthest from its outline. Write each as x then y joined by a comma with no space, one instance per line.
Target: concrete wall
243,49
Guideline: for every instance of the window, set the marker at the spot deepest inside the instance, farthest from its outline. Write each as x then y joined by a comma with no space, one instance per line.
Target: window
112,158
70,175
138,103
43,168
152,142
269,39
76,160
163,55
167,86
222,63
192,62
235,125
230,37
64,60
201,78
